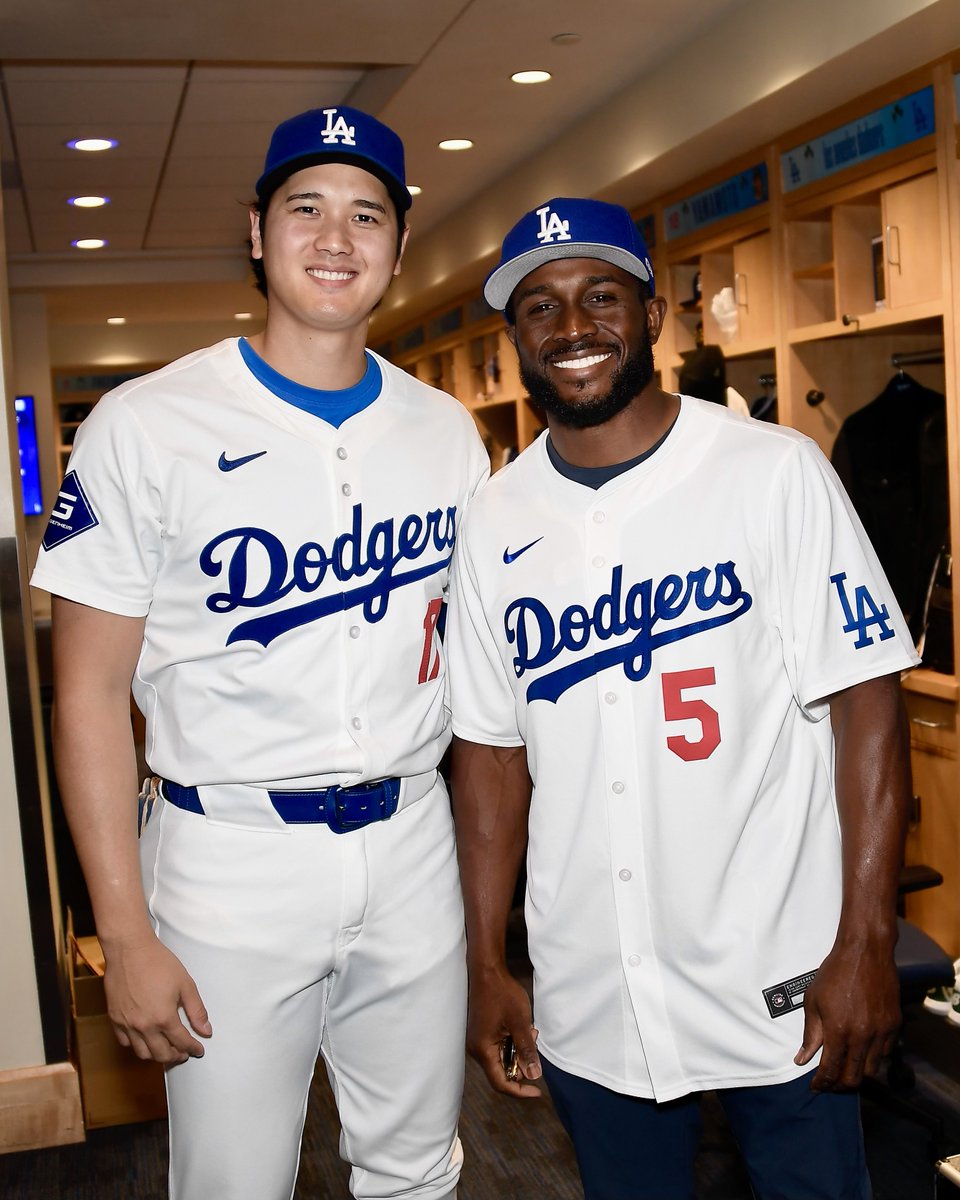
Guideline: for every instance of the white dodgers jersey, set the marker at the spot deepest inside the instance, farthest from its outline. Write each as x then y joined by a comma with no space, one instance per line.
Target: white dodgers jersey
291,574
664,646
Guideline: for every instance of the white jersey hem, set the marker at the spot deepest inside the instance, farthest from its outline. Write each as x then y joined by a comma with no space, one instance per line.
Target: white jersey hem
707,1084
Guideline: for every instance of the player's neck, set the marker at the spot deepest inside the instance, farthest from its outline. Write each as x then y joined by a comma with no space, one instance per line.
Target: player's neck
625,436
327,359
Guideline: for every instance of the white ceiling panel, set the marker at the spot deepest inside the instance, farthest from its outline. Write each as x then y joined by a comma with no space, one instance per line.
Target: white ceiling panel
238,173
50,141
199,199
45,200
236,139
233,219
51,242
229,95
42,95
293,31
98,174
195,239
94,222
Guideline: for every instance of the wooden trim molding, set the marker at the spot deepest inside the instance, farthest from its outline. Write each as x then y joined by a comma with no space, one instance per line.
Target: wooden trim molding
40,1106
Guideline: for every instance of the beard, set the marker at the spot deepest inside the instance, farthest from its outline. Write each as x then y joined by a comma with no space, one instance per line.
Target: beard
628,381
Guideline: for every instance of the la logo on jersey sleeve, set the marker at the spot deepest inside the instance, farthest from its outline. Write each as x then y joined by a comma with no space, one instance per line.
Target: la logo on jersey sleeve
72,514
862,614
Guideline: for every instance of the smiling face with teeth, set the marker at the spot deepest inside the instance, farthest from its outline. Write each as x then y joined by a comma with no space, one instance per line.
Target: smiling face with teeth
584,332
330,254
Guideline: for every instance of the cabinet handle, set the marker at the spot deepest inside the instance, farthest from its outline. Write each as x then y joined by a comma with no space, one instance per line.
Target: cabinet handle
931,724
740,290
894,262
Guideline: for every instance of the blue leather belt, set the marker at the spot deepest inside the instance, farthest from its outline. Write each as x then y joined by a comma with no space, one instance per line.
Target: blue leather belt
340,808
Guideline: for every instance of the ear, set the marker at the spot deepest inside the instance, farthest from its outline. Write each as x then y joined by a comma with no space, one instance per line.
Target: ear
511,332
403,246
256,244
656,314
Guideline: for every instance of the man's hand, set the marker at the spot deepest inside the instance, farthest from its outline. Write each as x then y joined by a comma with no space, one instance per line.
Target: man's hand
852,1009
146,986
499,1007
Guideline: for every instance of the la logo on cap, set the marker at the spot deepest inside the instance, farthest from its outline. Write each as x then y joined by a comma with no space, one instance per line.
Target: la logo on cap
553,229
338,131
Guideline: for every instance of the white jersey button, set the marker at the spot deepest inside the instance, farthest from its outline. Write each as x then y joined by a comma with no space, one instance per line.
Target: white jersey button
617,787
634,960
347,489
354,631
599,518
357,723
341,453
626,875
611,697
599,560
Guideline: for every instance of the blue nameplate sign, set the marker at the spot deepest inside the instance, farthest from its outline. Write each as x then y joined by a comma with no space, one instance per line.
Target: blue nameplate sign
736,194
897,124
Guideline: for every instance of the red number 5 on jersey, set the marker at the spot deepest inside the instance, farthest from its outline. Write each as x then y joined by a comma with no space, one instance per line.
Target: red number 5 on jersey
676,708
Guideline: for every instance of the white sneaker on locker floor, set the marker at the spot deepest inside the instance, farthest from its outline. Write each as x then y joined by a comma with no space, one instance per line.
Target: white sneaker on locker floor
940,1000
946,1000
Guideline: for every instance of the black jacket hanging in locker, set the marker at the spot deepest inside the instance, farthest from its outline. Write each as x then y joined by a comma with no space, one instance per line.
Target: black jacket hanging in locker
892,458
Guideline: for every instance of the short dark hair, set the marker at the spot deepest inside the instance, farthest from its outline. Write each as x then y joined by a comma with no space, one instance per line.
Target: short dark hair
644,288
260,206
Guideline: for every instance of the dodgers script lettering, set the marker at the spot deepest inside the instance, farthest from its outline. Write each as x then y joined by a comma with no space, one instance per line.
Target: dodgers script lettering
258,571
540,637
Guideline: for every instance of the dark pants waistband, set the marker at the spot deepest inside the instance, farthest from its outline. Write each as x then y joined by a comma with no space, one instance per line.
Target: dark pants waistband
342,809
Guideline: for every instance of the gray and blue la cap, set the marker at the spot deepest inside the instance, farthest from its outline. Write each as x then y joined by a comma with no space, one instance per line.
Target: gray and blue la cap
568,228
336,134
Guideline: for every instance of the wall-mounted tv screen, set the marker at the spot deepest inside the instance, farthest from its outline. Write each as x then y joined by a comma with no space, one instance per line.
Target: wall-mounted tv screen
29,457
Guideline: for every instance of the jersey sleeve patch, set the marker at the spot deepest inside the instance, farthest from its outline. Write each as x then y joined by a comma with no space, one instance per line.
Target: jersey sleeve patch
72,514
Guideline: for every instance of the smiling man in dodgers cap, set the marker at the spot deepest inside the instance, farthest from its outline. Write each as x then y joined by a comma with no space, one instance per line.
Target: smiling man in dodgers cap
258,536
668,617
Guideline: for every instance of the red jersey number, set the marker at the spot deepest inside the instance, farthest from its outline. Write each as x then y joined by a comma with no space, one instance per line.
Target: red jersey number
678,708
430,659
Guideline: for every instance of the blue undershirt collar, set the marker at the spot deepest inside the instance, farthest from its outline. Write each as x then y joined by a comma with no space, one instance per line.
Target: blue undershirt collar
335,406
596,477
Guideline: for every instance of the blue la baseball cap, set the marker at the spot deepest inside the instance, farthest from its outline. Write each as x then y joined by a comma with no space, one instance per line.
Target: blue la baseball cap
567,228
336,134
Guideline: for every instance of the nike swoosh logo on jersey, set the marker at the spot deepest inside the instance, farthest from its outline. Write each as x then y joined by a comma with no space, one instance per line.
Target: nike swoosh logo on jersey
231,464
510,556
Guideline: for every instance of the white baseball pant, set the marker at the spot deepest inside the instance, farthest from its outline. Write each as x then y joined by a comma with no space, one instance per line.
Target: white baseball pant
302,941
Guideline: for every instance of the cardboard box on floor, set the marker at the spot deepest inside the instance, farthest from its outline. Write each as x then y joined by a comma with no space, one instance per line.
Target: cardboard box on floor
116,1087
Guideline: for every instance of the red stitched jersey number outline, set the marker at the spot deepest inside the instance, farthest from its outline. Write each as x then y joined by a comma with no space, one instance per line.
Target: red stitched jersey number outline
430,659
676,708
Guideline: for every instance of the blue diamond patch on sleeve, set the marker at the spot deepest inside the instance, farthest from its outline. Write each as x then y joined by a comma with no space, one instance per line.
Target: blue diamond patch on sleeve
72,513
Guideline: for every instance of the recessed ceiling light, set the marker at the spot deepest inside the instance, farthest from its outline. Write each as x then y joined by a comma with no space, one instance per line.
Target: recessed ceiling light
565,39
413,189
89,201
243,316
92,144
456,144
89,243
530,76
116,320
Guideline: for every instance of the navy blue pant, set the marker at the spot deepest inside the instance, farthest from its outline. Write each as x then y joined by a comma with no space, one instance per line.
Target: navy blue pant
797,1144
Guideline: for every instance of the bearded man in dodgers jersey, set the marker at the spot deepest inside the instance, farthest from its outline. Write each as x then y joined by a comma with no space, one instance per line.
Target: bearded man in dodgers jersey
259,535
668,620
